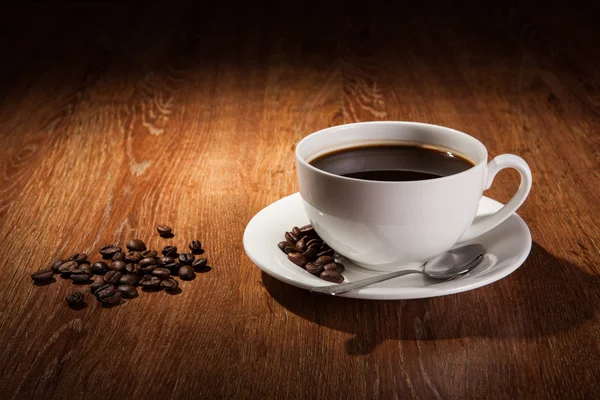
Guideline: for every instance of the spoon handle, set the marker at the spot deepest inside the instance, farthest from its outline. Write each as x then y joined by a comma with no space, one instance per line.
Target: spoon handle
347,287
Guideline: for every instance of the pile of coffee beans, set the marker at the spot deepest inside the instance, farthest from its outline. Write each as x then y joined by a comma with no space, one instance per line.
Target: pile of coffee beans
121,271
307,250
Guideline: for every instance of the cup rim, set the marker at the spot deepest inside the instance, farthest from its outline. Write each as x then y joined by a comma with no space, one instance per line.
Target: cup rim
405,123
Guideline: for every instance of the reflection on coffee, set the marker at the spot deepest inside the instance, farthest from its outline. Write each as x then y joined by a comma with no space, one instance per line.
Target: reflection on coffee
392,163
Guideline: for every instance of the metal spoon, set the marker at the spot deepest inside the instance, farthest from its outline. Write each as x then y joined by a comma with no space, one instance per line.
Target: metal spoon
445,266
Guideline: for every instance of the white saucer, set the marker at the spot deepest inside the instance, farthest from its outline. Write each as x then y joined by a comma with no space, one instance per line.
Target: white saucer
507,247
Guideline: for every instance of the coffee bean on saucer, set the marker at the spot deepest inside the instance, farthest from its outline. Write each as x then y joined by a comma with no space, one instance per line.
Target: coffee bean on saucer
132,268
323,260
170,251
291,249
129,279
186,258
310,254
99,267
298,259
80,275
186,273
119,256
314,268
334,266
301,245
290,237
170,284
54,265
313,242
149,253
75,299
112,276
196,247
200,263
284,244
67,267
42,275
109,251
133,256
164,230
296,231
136,245
127,291
326,253
307,230
162,273
108,294
117,265
332,276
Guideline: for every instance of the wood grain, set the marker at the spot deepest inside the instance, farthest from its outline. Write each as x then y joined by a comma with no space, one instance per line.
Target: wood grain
117,117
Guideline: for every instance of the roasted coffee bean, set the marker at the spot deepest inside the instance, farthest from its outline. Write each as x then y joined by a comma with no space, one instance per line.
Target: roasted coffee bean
149,253
334,266
316,247
326,253
186,273
301,245
144,262
284,244
150,281
290,249
170,251
314,268
108,294
73,257
322,260
109,251
117,265
148,269
42,275
129,279
54,265
310,254
119,256
81,258
290,237
313,241
99,267
162,273
127,291
307,229
165,260
173,267
200,263
136,245
298,259
164,230
133,256
170,284
196,247
186,258
80,275
112,276
97,285
296,231
67,267
132,268
75,299
332,276
87,268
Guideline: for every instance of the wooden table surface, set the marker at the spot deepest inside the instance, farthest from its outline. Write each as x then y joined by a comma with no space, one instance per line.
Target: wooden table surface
115,118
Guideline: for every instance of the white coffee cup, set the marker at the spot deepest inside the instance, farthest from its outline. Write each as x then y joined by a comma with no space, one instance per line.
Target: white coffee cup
393,225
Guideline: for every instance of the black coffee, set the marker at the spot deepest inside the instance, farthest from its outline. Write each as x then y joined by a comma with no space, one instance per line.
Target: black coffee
392,163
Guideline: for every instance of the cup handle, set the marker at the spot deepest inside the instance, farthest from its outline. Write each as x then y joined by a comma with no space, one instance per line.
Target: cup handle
496,165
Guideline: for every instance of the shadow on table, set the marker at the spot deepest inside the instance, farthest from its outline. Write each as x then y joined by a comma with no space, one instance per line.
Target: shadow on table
547,295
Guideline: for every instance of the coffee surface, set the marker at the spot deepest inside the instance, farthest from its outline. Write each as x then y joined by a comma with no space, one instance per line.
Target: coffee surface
392,163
